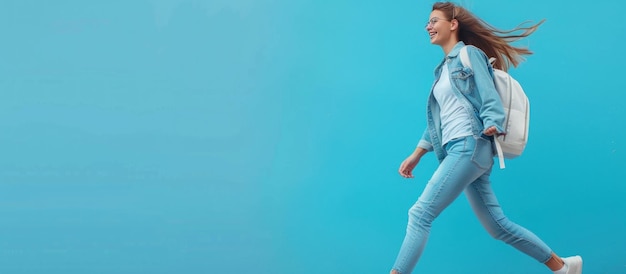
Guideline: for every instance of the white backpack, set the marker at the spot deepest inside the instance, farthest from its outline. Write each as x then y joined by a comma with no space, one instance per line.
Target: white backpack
516,111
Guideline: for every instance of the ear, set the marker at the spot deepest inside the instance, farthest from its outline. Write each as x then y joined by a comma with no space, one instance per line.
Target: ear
454,25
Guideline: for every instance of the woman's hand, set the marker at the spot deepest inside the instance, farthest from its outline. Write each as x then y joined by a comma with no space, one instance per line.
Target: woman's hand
490,131
407,166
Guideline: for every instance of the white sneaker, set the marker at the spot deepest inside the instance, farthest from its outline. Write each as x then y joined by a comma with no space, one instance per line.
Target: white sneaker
574,264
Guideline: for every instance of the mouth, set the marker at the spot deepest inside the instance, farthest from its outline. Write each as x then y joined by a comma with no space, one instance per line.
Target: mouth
432,34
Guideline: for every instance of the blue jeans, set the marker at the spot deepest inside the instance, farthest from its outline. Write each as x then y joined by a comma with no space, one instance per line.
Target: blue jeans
466,167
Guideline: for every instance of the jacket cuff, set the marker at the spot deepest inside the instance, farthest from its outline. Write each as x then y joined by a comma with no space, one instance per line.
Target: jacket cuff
425,145
498,128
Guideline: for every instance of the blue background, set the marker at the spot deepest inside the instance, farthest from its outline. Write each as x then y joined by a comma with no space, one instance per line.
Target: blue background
264,136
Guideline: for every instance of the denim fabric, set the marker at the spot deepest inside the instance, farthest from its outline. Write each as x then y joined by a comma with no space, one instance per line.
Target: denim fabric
476,91
466,167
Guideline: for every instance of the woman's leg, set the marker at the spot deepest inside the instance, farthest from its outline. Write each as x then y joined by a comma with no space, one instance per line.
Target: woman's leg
452,176
555,262
486,207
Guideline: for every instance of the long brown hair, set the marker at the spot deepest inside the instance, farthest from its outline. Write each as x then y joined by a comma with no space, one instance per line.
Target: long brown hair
494,42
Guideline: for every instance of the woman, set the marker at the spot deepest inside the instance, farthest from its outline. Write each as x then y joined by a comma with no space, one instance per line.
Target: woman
464,113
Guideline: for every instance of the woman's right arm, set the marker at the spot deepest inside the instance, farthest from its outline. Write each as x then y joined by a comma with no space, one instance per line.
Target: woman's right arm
407,166
425,142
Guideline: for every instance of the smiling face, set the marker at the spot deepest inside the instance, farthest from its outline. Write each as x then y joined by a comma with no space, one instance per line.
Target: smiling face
442,31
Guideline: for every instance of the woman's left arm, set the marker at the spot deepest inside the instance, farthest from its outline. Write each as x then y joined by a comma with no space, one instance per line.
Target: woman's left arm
491,111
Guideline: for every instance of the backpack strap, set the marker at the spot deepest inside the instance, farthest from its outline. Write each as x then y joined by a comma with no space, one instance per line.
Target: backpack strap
500,153
465,58
467,63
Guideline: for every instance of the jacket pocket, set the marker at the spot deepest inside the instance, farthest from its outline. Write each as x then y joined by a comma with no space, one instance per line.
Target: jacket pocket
462,79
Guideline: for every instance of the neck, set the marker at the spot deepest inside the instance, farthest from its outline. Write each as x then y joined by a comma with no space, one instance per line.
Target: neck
448,46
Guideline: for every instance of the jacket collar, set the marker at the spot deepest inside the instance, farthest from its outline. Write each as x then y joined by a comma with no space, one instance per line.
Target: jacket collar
456,49
452,54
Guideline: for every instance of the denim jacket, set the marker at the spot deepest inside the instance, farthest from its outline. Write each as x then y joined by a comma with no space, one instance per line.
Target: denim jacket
476,92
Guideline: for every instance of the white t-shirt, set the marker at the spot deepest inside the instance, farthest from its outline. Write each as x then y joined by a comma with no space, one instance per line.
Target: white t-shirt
455,122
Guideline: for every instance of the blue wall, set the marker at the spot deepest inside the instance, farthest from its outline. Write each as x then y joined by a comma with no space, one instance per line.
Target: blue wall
264,136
